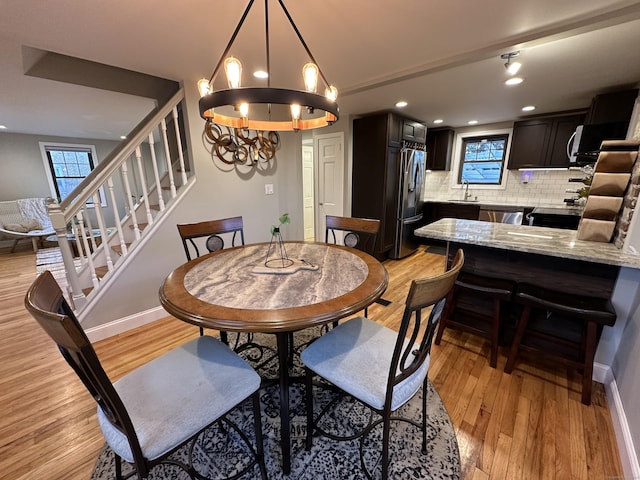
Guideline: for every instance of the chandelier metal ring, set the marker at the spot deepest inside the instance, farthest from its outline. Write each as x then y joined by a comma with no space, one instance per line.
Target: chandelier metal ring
280,96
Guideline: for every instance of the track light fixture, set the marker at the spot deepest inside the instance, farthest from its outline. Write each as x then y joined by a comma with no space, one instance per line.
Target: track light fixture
512,67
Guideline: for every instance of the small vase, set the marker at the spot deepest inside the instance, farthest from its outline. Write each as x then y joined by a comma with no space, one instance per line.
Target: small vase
276,254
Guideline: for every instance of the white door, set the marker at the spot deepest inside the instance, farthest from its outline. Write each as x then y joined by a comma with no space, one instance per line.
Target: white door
308,203
330,151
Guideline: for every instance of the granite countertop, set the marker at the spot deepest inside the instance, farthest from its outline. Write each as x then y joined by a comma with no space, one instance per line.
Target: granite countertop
553,242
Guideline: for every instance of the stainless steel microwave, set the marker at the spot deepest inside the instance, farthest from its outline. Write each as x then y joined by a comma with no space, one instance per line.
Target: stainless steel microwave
584,144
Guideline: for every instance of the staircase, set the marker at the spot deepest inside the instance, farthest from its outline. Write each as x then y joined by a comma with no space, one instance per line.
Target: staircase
108,216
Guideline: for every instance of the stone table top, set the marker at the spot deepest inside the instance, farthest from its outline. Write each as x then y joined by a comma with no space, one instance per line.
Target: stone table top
225,290
229,279
554,242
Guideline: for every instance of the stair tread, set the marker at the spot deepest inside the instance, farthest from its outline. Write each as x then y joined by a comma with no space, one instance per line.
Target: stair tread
118,248
102,271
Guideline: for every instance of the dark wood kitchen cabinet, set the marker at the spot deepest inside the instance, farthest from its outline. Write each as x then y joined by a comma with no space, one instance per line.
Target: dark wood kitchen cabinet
611,107
542,142
434,211
439,148
377,140
413,131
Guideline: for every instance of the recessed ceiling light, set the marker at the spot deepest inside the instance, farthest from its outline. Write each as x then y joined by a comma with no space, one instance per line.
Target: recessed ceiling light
472,122
3,127
514,81
123,137
260,74
401,104
438,120
528,108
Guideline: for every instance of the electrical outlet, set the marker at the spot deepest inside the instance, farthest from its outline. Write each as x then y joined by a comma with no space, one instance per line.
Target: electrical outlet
268,189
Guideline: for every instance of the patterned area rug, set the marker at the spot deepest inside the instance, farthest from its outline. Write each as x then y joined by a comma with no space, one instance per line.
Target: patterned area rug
218,453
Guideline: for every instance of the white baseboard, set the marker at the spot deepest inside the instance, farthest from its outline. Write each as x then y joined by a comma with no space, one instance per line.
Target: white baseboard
121,325
628,458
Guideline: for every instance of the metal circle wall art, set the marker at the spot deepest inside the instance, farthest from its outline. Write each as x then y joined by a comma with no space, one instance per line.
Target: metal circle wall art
239,146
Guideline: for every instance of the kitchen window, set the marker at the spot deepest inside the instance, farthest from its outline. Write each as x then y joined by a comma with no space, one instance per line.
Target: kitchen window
482,159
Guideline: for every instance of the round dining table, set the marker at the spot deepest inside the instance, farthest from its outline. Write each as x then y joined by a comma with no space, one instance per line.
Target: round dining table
236,290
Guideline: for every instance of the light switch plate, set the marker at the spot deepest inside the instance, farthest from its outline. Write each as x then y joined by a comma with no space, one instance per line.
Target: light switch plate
268,189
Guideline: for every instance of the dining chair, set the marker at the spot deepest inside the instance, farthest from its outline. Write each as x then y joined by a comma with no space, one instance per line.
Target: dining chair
157,408
360,233
213,231
378,367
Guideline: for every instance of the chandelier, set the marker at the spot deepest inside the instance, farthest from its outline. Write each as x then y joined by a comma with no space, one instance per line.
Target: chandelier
242,123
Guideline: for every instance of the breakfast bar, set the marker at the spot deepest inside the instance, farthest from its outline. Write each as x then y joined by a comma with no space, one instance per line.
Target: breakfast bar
562,293
548,257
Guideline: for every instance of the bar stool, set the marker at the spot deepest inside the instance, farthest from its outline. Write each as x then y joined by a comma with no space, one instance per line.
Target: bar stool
561,326
475,307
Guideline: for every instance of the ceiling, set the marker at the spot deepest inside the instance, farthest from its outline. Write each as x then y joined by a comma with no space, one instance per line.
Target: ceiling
443,58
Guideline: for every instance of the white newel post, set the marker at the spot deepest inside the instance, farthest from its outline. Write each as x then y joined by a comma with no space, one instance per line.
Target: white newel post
59,223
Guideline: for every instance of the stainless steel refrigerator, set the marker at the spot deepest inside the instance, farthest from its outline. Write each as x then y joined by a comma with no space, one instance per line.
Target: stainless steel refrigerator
410,193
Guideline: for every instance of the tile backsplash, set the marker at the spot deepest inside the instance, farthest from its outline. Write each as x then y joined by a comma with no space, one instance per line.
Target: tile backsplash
545,187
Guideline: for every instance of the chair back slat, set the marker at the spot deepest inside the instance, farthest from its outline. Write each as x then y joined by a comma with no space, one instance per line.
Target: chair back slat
211,228
364,230
45,302
414,339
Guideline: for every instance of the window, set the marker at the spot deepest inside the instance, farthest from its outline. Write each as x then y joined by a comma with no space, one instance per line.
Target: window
66,166
482,159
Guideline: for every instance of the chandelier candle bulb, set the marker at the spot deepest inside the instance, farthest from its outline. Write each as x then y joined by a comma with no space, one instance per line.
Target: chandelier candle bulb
233,70
203,87
310,75
331,93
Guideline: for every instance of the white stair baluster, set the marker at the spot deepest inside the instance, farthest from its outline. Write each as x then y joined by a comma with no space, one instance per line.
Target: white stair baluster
103,231
167,154
143,182
174,112
83,232
156,175
132,208
116,216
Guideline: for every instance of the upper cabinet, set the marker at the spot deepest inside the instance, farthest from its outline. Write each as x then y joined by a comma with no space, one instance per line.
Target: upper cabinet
611,107
413,131
542,142
439,148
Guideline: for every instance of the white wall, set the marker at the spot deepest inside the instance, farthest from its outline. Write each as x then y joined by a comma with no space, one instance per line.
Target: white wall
22,173
626,363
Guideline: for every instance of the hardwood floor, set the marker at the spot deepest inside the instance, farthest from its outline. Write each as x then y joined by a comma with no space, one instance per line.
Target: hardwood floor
527,425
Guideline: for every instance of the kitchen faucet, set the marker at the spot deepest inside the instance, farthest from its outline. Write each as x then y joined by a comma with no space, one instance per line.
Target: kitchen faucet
467,195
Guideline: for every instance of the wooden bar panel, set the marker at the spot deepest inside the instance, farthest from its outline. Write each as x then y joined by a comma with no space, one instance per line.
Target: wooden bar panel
561,274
